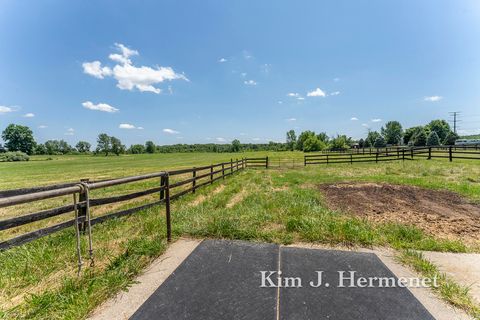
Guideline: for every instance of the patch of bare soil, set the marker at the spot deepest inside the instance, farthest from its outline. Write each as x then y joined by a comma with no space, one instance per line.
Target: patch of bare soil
442,214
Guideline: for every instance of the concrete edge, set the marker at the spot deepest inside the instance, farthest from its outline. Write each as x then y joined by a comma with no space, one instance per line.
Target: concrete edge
438,308
125,303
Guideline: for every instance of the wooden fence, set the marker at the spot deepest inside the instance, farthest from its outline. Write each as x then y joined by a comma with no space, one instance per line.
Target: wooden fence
200,176
395,153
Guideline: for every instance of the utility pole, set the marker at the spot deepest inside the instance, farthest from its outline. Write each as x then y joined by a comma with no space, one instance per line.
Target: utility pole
454,114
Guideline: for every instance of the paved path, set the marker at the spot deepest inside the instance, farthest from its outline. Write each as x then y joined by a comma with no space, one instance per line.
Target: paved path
222,280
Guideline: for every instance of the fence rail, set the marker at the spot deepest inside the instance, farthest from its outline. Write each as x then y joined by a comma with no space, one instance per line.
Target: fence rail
200,176
395,153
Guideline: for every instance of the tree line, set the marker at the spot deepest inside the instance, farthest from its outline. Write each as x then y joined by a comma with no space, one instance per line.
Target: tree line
436,132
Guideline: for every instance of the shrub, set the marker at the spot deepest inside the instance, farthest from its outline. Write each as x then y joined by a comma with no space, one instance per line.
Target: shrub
14,156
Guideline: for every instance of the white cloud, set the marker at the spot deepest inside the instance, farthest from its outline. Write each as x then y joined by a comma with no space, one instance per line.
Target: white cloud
293,95
365,125
300,98
99,107
336,79
221,60
42,126
250,82
316,93
29,115
280,102
130,77
256,139
126,126
220,139
335,93
70,132
170,131
95,69
376,120
291,119
140,128
433,98
243,74
5,109
354,118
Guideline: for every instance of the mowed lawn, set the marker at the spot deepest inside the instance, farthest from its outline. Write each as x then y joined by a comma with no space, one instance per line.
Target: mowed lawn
39,281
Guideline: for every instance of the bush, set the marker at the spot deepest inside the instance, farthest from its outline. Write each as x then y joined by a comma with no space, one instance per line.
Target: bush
14,156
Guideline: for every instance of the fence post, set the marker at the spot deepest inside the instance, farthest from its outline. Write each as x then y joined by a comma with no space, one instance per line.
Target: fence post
223,171
236,165
231,165
167,208
82,212
351,158
376,157
429,153
162,184
211,174
327,158
411,153
450,156
403,154
266,162
194,182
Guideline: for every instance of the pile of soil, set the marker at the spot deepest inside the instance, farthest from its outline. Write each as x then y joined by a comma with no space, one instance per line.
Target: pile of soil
443,214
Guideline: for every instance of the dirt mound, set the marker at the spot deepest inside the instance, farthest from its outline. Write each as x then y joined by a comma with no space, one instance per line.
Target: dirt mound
441,213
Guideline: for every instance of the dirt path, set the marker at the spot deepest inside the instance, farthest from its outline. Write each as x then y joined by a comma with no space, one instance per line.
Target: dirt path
441,213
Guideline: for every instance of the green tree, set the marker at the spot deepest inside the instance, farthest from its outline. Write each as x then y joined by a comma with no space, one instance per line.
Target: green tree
441,127
18,138
340,142
410,132
371,138
302,138
104,143
116,146
361,143
150,147
291,140
236,145
323,136
137,149
312,143
380,142
450,138
64,147
432,139
83,147
40,149
392,132
420,138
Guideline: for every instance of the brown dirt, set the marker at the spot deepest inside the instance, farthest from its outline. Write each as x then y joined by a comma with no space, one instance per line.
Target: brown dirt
443,214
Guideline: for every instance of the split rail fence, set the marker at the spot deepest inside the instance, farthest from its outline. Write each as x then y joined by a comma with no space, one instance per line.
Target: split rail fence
82,202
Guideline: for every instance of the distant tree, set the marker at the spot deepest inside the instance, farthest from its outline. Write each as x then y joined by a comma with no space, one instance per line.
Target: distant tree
371,138
392,132
450,138
312,143
302,138
40,149
323,136
150,147
419,138
64,147
380,142
340,142
441,127
18,138
236,145
83,147
361,143
2,149
116,146
409,133
432,139
291,140
136,149
104,143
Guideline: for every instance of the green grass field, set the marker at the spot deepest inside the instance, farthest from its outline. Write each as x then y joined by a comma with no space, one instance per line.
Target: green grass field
39,281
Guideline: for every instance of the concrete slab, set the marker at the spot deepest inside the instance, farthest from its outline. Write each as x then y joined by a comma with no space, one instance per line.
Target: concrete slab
464,268
219,280
334,302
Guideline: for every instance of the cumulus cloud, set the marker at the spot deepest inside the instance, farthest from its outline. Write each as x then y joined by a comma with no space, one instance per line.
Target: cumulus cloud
126,126
354,118
365,125
293,95
129,76
29,115
316,93
170,131
376,120
99,107
336,79
291,119
250,82
221,60
70,132
335,93
433,98
5,109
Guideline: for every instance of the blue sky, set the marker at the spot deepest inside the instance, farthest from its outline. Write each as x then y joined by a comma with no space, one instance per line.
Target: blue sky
212,71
